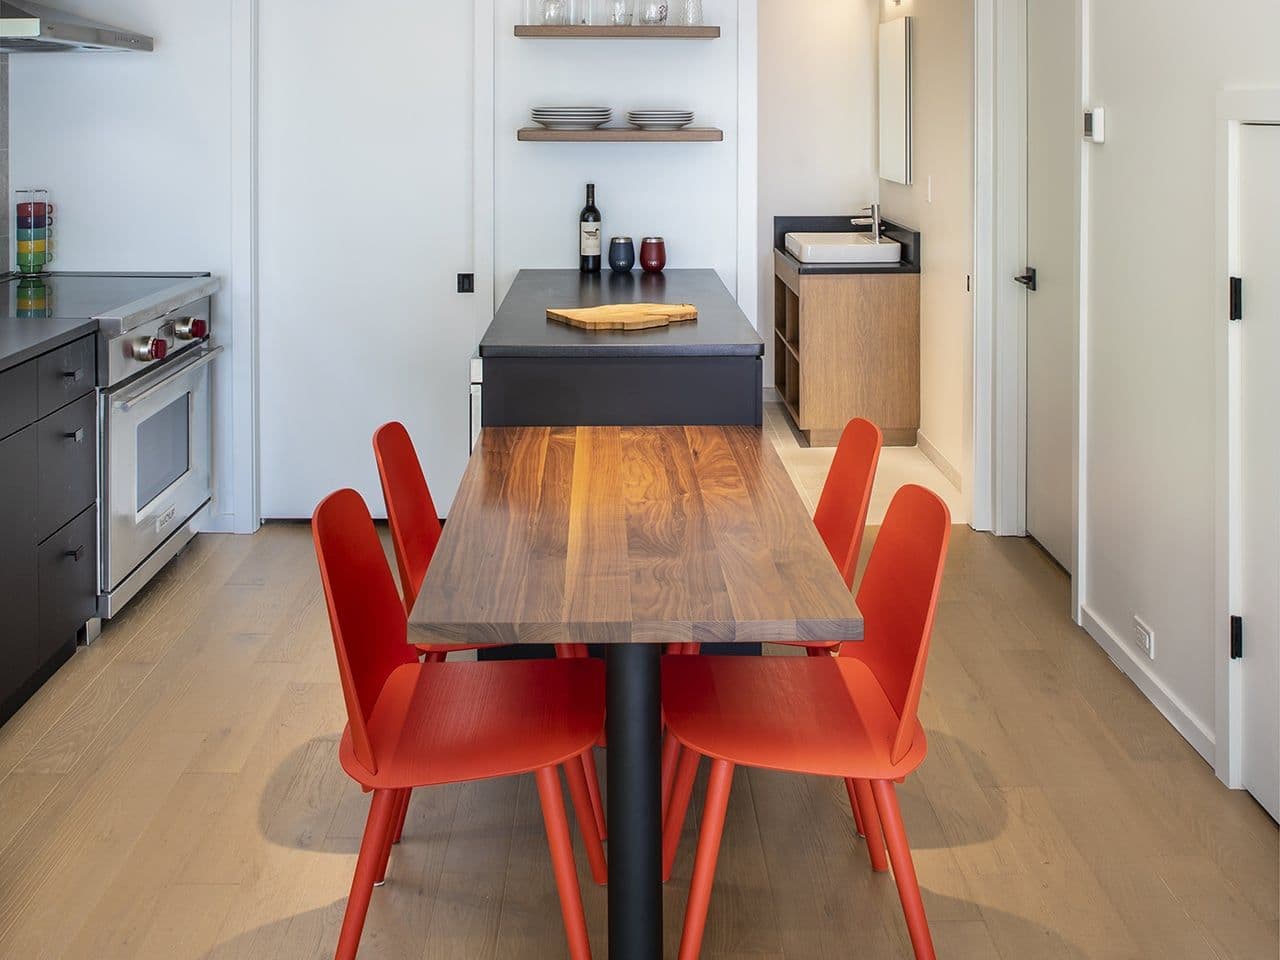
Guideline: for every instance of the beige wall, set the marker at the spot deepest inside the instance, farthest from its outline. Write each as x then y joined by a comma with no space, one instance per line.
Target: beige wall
817,133
1152,323
942,153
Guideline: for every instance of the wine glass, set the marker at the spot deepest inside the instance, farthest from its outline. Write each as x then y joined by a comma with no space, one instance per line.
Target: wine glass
691,15
621,12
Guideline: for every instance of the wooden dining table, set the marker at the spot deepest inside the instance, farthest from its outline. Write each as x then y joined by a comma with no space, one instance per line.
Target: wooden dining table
632,538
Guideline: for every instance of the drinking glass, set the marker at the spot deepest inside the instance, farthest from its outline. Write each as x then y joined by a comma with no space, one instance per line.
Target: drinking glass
555,13
621,12
691,14
653,13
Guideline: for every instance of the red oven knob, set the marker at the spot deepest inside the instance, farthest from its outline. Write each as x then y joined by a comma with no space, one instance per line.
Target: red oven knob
191,328
148,349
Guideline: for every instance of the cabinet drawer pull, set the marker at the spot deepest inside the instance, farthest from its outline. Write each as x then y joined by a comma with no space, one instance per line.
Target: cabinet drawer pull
77,554
76,436
76,375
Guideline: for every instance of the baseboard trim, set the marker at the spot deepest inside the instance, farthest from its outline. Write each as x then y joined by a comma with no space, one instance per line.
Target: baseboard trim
1152,687
938,460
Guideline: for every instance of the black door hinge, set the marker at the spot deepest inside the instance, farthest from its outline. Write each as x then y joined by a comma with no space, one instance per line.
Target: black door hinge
1237,638
1237,299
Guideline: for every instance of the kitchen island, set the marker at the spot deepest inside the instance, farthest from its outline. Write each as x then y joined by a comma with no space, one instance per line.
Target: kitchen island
538,372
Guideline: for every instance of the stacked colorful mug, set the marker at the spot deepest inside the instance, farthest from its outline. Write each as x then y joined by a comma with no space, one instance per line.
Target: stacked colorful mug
35,231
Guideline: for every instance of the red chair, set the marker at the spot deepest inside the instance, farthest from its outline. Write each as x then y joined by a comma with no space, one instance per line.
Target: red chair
415,532
414,725
846,717
841,519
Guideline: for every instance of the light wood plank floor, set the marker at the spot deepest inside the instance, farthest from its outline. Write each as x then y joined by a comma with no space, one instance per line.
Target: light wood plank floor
173,792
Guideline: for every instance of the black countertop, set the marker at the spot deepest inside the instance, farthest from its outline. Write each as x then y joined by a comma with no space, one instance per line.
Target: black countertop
909,239
23,339
521,327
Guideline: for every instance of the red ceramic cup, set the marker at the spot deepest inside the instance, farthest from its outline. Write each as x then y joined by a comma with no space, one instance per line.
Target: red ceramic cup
653,255
36,209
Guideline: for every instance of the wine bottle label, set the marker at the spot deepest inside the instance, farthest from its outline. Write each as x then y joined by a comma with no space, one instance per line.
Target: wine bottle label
590,239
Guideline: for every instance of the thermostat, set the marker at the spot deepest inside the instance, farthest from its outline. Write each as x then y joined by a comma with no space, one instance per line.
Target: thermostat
1095,127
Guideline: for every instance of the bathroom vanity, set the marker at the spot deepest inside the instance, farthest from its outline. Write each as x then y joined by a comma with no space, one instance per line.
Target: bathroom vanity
846,336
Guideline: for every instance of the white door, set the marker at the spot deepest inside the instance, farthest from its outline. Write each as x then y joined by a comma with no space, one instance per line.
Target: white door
1053,144
1260,459
365,219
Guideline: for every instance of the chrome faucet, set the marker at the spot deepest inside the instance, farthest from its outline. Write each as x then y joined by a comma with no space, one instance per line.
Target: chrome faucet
870,215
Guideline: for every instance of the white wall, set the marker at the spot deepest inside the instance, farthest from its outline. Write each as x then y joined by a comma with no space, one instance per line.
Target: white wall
1152,323
366,169
818,137
136,150
942,150
687,193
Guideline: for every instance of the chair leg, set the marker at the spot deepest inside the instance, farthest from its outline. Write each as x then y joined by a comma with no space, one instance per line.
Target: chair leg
704,865
673,823
593,792
404,813
579,790
904,870
857,810
376,830
397,818
670,757
871,824
575,921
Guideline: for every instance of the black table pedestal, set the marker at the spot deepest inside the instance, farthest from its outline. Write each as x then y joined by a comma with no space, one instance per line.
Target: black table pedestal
634,701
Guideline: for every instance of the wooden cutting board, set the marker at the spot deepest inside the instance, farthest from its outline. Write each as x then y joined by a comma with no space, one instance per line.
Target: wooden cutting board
626,316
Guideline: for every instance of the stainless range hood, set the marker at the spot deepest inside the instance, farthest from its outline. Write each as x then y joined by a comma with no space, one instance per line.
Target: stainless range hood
34,28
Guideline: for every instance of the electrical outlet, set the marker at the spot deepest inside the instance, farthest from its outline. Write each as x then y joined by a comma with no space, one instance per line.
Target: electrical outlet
466,283
1144,638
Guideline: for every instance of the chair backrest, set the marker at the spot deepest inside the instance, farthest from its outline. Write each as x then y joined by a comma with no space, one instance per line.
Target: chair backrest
898,596
415,525
841,517
365,614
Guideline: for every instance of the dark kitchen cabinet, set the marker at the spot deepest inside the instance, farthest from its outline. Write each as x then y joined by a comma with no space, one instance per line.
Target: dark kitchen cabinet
19,609
48,515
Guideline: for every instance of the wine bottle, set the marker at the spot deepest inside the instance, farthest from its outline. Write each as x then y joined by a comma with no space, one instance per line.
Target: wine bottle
590,228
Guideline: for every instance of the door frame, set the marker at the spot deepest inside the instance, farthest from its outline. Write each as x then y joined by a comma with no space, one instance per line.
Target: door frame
1236,108
1000,240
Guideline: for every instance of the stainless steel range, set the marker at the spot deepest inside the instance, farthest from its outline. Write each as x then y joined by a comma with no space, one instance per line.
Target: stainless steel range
155,455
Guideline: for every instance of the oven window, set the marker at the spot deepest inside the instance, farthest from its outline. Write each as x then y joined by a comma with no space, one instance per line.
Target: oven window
163,449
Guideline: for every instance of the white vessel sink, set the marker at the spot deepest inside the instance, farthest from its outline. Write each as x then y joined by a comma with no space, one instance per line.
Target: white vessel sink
842,248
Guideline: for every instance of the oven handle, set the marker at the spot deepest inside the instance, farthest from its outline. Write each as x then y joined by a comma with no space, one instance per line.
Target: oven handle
129,401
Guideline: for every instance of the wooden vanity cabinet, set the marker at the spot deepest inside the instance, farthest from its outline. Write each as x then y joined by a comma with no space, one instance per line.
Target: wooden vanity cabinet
848,345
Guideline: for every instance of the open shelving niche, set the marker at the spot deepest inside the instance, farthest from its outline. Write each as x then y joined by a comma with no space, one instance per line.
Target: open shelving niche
786,359
618,134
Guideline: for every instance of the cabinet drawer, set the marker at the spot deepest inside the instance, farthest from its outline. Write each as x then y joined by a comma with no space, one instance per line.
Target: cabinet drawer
68,462
67,374
68,565
17,398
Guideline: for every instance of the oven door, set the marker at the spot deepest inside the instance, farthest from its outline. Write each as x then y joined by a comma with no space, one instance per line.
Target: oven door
157,449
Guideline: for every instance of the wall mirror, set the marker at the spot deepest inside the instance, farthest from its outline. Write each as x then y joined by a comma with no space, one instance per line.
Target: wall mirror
895,100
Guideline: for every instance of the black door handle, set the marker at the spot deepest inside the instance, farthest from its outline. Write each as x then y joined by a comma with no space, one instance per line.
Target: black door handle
1028,279
76,554
77,436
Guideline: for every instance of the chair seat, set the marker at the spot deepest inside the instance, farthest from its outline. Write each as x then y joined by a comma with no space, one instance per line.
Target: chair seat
825,716
438,723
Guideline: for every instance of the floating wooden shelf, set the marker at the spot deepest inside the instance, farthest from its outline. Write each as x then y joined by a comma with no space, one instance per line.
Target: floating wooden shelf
622,135
617,33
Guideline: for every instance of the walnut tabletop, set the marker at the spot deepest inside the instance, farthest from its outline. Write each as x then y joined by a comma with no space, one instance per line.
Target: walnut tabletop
630,535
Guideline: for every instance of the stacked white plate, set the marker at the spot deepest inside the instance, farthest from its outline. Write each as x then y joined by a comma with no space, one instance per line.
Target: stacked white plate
660,119
572,118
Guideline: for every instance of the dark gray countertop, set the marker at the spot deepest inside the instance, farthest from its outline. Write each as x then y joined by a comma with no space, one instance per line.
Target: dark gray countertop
521,328
21,340
909,239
